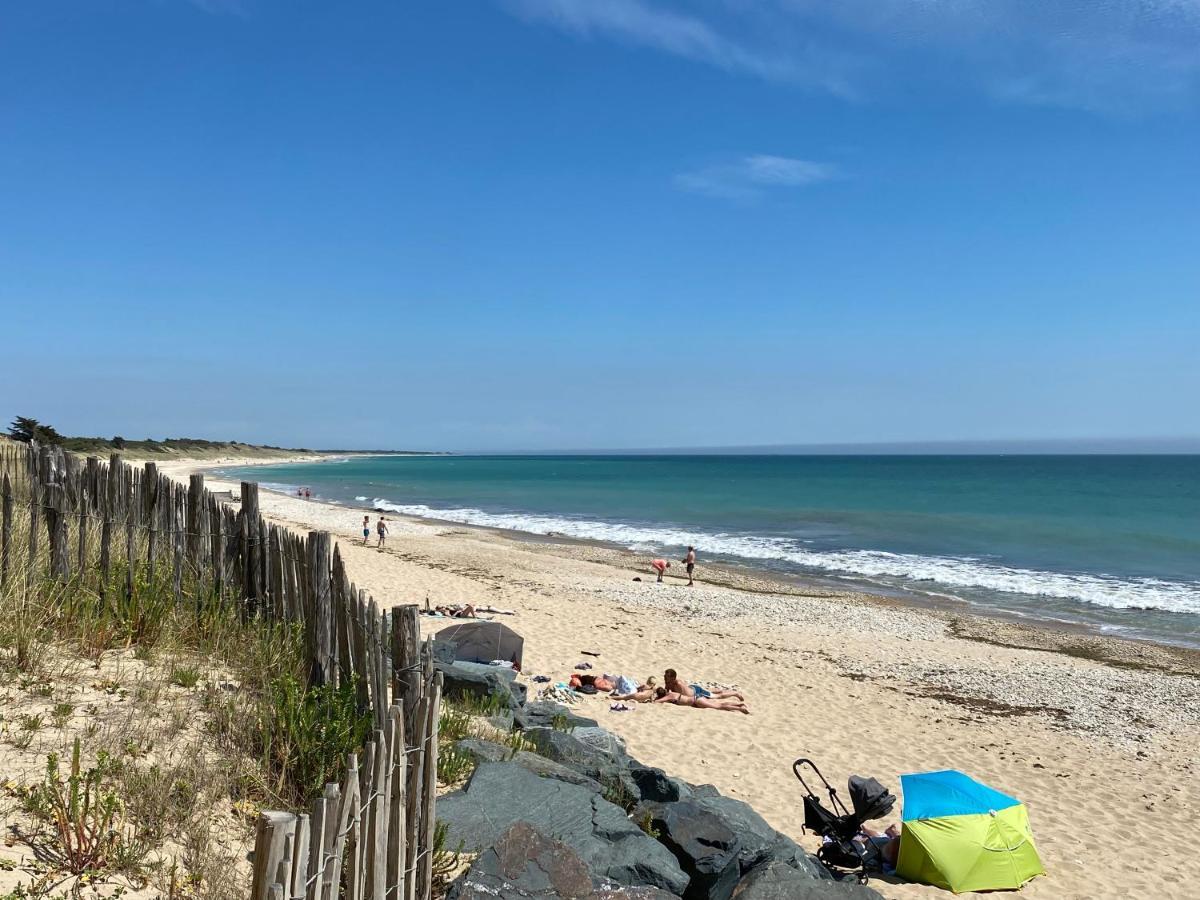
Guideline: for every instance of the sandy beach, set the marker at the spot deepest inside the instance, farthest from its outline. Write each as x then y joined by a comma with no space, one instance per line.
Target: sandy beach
1097,736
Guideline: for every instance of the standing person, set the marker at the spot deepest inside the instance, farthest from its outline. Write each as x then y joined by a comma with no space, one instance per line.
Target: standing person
381,530
690,560
659,566
366,529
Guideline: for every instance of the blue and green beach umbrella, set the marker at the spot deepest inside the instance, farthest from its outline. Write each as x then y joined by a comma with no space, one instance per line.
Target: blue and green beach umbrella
963,835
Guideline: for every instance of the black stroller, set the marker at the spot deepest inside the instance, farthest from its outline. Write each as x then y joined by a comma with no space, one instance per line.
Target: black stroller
841,854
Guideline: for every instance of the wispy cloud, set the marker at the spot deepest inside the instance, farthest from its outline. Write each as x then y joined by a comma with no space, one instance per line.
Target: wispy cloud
752,176
649,24
1090,54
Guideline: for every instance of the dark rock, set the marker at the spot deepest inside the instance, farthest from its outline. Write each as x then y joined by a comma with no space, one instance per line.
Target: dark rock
501,794
779,881
548,768
566,748
502,722
760,842
525,864
706,849
483,751
463,679
609,769
601,739
543,714
705,790
656,786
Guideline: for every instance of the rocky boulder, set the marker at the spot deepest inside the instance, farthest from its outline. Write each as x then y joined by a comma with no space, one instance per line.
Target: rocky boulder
480,682
706,849
483,751
779,881
545,713
610,769
760,843
525,864
656,786
601,739
500,794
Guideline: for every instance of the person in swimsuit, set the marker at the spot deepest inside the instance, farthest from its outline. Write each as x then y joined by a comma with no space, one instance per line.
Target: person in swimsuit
690,562
662,695
381,529
366,529
644,693
659,566
888,842
674,683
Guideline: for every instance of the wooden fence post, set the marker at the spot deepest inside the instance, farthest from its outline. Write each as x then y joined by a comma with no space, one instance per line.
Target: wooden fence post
150,513
319,574
108,514
273,837
251,588
56,528
6,507
177,542
429,789
406,663
35,513
195,513
84,502
398,794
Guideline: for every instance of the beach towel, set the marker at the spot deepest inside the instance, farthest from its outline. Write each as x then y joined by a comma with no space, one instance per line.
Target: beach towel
626,685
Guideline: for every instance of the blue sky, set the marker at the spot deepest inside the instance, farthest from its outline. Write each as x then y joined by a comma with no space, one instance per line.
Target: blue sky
620,223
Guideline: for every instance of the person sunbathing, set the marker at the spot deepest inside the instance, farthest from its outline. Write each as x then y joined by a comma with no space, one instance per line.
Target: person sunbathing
643,694
887,841
466,611
674,683
662,695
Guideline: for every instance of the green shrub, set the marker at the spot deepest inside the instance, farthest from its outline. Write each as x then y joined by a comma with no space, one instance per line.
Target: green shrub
307,733
454,765
85,817
185,676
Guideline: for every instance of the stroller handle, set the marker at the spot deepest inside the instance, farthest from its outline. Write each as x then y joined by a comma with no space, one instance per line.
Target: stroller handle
800,764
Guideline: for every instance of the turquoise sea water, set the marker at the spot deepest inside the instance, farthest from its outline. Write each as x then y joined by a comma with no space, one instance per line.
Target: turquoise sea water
1112,541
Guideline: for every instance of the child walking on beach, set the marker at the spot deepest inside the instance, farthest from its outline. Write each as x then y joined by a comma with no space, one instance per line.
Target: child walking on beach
366,529
381,529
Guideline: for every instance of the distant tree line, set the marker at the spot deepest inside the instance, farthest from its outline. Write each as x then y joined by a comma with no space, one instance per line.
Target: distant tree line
25,430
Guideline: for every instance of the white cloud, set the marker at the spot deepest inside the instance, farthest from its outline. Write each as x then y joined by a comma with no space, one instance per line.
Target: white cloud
649,24
751,176
1091,54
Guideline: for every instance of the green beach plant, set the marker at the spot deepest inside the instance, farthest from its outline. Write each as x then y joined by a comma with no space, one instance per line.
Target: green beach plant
85,818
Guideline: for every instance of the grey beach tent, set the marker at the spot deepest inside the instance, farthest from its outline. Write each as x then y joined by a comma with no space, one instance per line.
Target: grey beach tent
481,642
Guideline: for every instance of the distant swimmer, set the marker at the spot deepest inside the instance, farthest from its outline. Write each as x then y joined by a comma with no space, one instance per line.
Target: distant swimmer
381,528
690,561
366,528
659,566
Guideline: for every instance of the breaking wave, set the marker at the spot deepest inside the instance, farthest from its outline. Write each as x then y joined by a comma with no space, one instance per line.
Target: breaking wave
924,571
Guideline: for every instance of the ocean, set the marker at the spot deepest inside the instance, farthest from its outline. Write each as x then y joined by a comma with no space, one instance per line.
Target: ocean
1111,542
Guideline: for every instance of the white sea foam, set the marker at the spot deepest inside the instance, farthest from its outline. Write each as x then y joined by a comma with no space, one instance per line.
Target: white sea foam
945,571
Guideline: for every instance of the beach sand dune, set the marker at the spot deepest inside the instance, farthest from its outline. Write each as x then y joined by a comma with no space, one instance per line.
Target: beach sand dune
1104,756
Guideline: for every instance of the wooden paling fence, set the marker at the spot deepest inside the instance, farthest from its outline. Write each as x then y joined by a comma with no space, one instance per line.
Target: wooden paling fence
370,837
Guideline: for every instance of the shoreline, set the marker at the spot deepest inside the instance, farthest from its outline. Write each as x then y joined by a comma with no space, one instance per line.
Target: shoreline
1085,731
968,620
